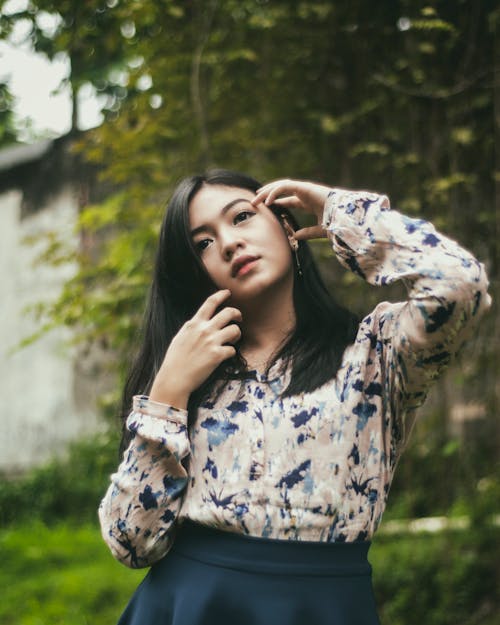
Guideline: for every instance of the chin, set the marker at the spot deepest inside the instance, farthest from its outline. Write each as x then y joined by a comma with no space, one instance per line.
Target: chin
257,289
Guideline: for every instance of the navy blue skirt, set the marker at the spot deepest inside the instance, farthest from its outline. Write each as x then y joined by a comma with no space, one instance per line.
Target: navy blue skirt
213,577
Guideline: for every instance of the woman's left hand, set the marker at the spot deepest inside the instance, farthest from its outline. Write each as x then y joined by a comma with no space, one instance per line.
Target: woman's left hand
297,194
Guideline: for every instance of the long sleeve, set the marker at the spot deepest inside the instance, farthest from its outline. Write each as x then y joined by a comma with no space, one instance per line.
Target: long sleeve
138,511
447,293
317,465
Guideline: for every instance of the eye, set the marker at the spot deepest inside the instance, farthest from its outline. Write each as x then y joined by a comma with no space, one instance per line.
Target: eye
202,244
243,216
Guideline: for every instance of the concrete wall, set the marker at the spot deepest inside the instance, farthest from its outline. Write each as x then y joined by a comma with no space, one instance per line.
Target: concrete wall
47,393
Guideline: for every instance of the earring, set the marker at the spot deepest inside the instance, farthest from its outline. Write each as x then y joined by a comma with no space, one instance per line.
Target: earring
294,244
295,248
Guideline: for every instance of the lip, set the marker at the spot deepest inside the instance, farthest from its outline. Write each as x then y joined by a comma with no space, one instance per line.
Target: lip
241,262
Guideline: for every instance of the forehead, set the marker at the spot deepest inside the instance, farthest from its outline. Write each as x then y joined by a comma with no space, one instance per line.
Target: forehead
211,199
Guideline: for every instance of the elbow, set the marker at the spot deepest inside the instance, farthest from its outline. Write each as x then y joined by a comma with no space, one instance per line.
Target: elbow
117,540
465,293
131,546
123,550
448,317
134,551
482,297
472,302
126,552
474,299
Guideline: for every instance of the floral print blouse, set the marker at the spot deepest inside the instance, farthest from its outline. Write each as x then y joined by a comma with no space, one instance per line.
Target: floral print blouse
316,466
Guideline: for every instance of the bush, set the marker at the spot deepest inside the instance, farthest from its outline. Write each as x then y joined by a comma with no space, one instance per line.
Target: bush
68,488
449,578
65,575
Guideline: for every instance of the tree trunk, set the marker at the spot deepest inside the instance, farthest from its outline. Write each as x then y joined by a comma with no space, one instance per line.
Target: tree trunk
206,18
74,107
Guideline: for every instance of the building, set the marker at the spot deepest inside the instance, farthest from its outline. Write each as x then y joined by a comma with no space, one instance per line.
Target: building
48,386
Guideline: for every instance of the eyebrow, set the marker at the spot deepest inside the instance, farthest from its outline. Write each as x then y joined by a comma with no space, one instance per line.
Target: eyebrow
223,211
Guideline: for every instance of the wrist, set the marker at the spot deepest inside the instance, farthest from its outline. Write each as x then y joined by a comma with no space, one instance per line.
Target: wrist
149,407
172,394
175,400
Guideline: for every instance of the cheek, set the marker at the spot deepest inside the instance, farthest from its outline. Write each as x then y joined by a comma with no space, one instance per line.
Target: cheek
281,245
214,268
210,264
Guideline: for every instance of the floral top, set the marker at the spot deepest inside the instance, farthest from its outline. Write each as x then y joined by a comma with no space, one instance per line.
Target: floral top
315,466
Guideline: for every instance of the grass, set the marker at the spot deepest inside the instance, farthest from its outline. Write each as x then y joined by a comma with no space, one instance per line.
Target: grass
63,574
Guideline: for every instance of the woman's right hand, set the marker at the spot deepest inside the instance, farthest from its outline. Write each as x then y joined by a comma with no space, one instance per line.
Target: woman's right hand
309,197
199,347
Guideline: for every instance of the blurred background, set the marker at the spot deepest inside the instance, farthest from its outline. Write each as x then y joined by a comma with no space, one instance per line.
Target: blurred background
104,106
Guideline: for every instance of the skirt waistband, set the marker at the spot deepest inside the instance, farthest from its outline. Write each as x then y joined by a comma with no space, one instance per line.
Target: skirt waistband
263,555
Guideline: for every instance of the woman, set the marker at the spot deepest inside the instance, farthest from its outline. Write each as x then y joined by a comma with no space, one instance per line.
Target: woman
257,468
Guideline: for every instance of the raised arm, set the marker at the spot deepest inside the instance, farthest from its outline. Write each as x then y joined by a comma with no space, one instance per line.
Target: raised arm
447,286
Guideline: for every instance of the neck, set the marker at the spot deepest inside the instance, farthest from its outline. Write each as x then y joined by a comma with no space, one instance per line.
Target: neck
265,327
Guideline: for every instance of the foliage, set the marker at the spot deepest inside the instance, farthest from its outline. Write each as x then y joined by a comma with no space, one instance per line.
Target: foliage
64,575
396,97
444,473
86,32
389,99
443,579
71,487
399,98
66,488
7,128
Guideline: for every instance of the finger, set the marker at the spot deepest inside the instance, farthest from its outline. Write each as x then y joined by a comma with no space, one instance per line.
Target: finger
293,203
290,202
207,309
229,334
225,351
225,316
269,192
313,232
259,197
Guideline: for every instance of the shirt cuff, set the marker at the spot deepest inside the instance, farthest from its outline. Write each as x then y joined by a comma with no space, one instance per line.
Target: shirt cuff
331,203
352,203
144,405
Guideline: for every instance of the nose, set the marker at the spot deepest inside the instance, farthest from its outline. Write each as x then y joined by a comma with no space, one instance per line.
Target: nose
229,244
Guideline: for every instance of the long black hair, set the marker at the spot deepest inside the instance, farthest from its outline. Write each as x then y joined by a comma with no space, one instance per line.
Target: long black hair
181,284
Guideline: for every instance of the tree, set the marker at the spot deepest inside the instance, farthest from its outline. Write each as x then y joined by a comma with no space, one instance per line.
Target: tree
92,34
400,98
7,128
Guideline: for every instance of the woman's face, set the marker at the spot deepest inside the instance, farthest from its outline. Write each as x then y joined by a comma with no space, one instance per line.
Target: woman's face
243,247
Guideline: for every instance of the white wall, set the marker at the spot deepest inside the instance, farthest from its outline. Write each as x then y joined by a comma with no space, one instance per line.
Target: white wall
38,384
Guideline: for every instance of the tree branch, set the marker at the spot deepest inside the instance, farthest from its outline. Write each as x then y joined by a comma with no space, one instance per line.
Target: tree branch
439,94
